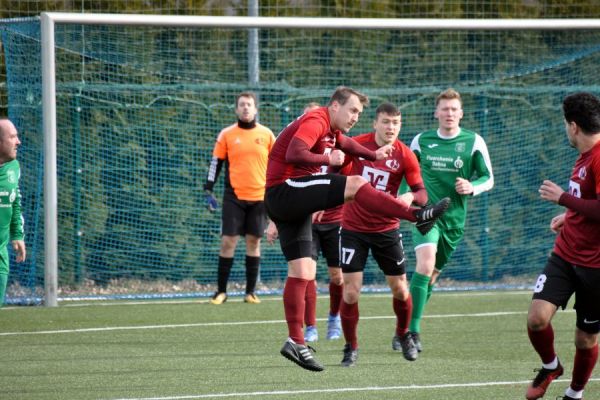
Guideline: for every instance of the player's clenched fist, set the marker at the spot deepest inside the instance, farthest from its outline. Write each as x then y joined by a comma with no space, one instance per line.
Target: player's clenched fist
384,151
336,157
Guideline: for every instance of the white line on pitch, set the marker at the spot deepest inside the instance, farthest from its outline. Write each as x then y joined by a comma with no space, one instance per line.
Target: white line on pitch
240,299
341,390
210,324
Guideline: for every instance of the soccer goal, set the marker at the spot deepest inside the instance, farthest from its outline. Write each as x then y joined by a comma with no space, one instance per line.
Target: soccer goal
119,115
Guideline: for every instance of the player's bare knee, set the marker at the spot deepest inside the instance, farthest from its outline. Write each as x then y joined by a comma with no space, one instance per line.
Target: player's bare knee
401,293
252,244
425,268
338,280
353,183
537,321
302,268
228,245
335,276
351,296
399,287
584,340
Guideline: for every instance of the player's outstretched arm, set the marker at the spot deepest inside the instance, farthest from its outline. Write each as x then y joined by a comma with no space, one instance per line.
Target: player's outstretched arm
352,147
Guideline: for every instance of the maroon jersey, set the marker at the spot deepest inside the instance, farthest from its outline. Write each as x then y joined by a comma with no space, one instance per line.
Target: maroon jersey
385,175
578,242
314,129
332,215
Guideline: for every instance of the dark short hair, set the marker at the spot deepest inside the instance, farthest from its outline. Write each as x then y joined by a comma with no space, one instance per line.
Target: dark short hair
448,94
252,95
583,108
343,93
387,108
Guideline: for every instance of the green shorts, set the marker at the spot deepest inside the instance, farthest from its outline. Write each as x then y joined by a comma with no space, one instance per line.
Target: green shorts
445,240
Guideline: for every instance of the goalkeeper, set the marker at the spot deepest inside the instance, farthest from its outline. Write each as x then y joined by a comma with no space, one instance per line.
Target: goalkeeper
11,228
244,148
454,163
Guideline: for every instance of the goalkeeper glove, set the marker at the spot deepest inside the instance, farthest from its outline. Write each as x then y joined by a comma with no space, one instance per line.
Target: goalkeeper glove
211,202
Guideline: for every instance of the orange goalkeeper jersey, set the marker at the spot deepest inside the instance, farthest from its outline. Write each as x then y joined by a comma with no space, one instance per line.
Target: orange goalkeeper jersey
246,151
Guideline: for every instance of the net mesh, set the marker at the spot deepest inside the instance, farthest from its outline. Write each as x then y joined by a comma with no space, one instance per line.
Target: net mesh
139,108
322,8
305,8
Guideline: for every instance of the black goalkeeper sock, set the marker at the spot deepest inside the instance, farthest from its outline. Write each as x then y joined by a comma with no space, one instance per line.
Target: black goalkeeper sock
225,264
252,264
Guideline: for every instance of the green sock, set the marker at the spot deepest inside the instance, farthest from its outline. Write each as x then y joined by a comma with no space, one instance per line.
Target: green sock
3,280
418,291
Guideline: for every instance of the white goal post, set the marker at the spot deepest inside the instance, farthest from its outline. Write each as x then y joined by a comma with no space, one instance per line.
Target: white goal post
49,20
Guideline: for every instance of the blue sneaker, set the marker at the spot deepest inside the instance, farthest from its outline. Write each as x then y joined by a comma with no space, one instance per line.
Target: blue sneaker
334,327
311,334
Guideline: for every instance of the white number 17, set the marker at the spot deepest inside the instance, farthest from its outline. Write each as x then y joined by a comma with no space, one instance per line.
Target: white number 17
347,255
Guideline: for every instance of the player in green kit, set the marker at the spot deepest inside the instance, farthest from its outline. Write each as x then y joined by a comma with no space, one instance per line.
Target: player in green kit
11,222
450,157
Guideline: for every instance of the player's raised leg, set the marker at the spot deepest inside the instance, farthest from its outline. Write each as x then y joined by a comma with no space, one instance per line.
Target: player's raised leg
381,203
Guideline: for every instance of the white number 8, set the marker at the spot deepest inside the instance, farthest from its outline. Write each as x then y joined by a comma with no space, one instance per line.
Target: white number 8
539,285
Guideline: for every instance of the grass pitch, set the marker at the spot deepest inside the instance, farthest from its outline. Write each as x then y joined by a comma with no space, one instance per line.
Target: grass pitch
475,347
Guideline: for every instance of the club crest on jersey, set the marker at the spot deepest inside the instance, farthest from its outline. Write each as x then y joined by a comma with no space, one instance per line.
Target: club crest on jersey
582,173
259,141
460,147
392,164
458,163
10,175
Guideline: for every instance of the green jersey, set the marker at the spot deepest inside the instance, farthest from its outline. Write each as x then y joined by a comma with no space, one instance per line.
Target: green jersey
11,221
443,159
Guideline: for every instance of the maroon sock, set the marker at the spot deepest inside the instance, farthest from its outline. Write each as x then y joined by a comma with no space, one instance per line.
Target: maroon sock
543,343
335,298
403,311
381,203
349,314
585,360
293,305
310,311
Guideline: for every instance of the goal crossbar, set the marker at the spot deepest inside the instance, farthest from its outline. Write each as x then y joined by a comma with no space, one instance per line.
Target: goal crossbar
324,23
